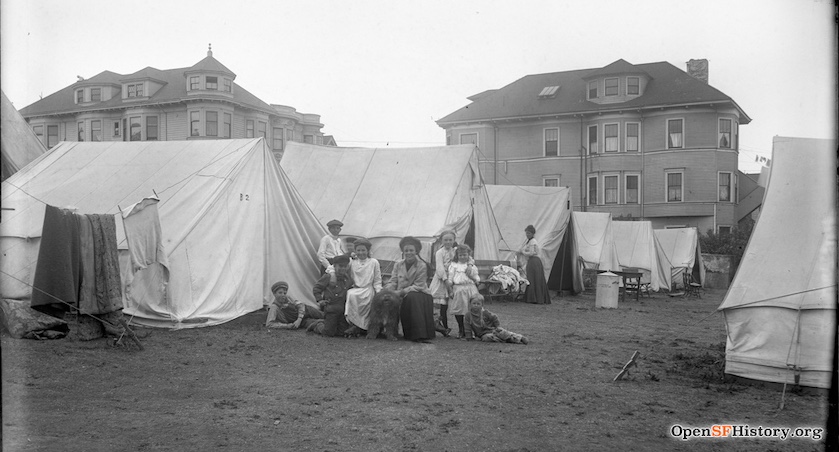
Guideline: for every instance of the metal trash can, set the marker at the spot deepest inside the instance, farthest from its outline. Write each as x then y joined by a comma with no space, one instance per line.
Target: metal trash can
608,288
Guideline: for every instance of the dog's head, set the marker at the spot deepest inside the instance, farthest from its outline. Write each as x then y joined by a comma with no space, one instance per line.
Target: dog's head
387,297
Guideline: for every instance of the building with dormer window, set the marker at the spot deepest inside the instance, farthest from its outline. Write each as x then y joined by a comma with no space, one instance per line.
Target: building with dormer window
200,102
646,141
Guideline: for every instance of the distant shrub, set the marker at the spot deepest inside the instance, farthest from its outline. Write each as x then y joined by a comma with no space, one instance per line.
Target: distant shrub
733,243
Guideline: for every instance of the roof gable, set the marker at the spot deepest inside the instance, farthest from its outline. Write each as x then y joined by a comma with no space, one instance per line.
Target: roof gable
620,66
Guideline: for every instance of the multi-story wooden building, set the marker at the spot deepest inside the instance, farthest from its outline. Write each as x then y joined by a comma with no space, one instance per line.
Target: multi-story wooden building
194,103
642,141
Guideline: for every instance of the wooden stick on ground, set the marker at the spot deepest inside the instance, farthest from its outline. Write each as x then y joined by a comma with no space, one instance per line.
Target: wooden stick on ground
131,333
626,366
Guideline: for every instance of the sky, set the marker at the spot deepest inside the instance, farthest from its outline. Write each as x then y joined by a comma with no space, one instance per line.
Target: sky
381,72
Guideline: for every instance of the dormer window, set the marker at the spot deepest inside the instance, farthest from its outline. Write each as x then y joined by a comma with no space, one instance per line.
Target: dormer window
228,85
79,96
548,92
611,87
211,83
194,83
633,85
592,90
135,90
95,94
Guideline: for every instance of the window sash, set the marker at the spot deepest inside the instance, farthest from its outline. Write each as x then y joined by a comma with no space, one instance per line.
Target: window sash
551,182
194,120
278,139
136,129
592,191
228,119
631,190
151,128
249,128
592,90
228,85
592,140
262,130
212,83
551,142
633,85
611,87
674,187
95,94
81,131
674,133
132,91
610,189
725,134
96,130
79,96
611,139
211,123
632,137
52,136
194,83
469,138
725,187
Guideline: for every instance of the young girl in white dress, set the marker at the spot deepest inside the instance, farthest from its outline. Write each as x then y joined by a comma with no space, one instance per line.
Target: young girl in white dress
367,276
463,281
442,258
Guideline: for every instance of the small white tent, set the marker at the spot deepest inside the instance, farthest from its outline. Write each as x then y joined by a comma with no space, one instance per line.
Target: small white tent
232,223
595,240
384,194
18,143
680,247
637,247
548,209
780,311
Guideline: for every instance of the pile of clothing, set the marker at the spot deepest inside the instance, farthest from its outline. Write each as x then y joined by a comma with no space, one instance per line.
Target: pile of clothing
508,277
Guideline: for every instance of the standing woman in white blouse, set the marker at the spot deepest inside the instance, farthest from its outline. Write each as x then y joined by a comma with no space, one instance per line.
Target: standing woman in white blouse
531,265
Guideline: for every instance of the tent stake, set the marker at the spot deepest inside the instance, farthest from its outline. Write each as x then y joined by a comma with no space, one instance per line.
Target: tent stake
626,366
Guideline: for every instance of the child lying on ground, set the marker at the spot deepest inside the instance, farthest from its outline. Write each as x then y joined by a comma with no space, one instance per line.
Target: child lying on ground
287,313
485,326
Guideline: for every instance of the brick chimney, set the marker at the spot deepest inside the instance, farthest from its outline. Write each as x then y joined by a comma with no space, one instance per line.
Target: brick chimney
698,69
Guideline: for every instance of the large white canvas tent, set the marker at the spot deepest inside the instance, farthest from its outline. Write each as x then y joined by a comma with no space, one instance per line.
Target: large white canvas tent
780,311
18,143
637,247
384,194
548,209
680,247
595,240
232,223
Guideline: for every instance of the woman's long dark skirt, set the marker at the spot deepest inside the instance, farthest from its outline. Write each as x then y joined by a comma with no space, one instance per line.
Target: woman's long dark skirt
417,315
537,291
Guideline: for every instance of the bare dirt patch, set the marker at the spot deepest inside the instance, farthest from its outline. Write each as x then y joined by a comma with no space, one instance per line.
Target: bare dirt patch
239,386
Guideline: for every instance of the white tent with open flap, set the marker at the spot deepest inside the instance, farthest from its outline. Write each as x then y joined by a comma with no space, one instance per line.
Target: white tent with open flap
548,209
780,311
637,247
385,194
18,143
680,247
231,222
595,240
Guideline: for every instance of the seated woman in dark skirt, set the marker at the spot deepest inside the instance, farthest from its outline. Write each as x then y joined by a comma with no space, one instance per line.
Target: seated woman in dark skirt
531,266
410,280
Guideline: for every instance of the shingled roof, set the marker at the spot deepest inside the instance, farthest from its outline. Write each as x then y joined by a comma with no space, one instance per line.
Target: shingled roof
668,86
172,91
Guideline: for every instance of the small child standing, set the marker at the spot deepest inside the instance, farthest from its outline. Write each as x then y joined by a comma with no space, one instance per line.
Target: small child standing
463,282
484,325
287,313
442,259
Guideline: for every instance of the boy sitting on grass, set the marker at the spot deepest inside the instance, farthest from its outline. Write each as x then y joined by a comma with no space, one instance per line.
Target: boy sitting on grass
485,326
287,313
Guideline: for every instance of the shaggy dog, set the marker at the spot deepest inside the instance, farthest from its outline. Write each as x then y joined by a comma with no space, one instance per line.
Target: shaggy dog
384,314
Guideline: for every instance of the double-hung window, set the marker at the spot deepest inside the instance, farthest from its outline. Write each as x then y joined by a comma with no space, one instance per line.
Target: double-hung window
592,140
228,85
610,132
468,138
212,82
675,186
551,142
52,136
136,128
228,119
79,96
249,128
592,191
261,130
96,130
725,182
610,189
725,134
631,189
39,132
194,83
592,90
95,94
151,128
612,86
633,85
675,133
194,121
211,123
278,138
632,136
81,131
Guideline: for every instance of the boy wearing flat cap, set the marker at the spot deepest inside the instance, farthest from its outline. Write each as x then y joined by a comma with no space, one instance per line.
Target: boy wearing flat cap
331,293
330,245
287,313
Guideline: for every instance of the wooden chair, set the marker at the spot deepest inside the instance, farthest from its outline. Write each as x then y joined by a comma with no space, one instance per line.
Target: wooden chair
691,288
